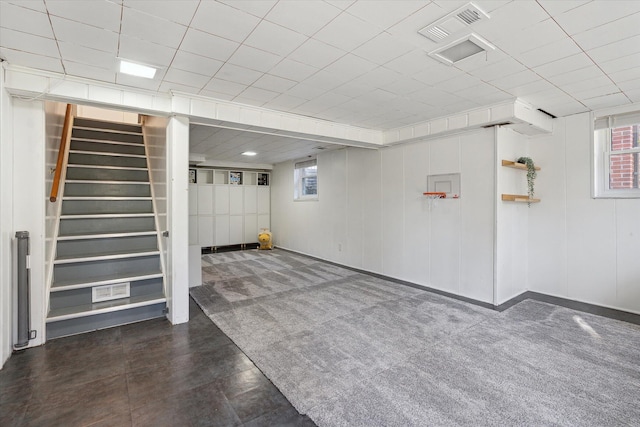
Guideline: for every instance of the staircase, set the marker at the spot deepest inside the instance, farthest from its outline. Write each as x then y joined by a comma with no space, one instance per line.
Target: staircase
107,234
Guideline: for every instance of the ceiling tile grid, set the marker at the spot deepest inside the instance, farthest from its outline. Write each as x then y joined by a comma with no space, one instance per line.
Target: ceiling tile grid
357,62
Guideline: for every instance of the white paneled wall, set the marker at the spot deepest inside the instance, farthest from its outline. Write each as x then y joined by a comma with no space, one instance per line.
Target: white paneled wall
512,218
371,213
581,248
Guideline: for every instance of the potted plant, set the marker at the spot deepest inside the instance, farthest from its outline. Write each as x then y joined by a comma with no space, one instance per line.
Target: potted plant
531,174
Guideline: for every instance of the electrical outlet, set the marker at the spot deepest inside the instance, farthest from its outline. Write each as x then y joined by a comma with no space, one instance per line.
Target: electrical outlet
339,247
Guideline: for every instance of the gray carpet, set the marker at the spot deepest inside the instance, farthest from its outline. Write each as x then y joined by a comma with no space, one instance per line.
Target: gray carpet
349,349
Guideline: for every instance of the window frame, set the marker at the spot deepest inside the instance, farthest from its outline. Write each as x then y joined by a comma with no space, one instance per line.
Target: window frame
602,124
298,179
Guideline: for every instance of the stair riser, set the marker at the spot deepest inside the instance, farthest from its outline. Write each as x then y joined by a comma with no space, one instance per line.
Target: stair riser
107,174
80,122
106,190
106,148
89,207
106,136
96,269
97,160
105,225
75,297
103,321
90,247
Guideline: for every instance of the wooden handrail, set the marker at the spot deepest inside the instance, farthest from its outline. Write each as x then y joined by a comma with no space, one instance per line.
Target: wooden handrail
61,151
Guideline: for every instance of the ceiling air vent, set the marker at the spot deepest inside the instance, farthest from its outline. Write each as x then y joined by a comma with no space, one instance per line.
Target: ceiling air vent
461,49
453,22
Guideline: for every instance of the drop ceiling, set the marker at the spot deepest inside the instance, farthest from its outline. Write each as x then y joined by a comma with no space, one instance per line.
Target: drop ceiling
356,62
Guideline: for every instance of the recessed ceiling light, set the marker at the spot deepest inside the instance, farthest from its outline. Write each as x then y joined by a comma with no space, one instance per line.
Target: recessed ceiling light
137,70
249,153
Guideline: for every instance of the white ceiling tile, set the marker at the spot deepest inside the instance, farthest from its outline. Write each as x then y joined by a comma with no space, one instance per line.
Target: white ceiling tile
226,87
341,4
437,73
353,89
208,45
609,33
138,82
100,13
257,8
89,72
459,83
384,13
612,100
26,59
403,86
216,95
407,29
305,91
510,19
293,70
248,101
616,50
254,59
325,81
634,96
555,7
26,20
378,77
583,74
382,49
145,52
595,14
378,97
145,27
533,37
166,87
186,78
514,80
499,69
410,63
305,17
85,55
621,64
196,63
29,43
275,38
347,32
224,21
566,109
37,5
180,11
273,83
594,91
236,74
285,102
549,53
85,35
630,85
531,88
571,63
625,75
316,54
350,66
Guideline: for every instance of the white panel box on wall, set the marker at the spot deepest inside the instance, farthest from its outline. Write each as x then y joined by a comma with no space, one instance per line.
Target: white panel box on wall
444,183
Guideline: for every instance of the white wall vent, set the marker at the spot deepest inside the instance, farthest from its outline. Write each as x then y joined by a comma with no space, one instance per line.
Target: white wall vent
453,22
110,292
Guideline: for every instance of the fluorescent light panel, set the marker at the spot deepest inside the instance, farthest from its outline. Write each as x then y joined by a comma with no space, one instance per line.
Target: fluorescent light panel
249,153
137,70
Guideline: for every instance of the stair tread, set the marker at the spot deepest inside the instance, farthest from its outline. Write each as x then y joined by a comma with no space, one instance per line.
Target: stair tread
106,256
107,130
108,215
103,181
114,198
104,307
107,153
105,280
80,165
85,236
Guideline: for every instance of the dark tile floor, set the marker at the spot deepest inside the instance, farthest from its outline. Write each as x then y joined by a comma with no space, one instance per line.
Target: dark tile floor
146,374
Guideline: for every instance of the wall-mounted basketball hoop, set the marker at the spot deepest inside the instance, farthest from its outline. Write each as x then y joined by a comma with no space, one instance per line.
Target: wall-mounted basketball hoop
432,196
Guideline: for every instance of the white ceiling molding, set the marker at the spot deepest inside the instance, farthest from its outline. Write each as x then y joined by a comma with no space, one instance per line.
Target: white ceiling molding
35,84
514,114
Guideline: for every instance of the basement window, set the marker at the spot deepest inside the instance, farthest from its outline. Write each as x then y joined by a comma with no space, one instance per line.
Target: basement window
305,180
617,156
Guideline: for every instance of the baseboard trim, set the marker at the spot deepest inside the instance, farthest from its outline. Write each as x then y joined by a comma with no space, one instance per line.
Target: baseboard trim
610,313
